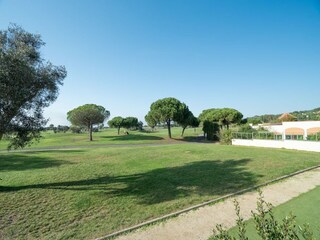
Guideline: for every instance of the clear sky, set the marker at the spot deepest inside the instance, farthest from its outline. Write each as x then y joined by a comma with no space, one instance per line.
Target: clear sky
258,56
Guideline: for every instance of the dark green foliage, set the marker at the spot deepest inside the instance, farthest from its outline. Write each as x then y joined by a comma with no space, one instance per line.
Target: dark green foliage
314,137
88,115
140,125
130,123
185,118
246,128
76,129
120,122
116,122
165,111
60,128
151,120
211,130
267,226
28,84
223,116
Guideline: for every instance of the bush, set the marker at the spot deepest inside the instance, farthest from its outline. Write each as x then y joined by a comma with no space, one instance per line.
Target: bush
225,136
211,130
75,129
315,137
267,226
246,128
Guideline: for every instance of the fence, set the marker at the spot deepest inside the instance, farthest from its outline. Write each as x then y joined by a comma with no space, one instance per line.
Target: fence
273,136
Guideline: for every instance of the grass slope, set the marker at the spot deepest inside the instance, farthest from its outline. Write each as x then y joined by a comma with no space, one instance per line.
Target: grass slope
108,136
305,208
86,193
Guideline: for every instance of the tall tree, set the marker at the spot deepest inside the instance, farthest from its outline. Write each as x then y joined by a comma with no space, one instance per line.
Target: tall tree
116,122
120,122
28,84
87,116
165,111
223,116
186,118
150,119
131,122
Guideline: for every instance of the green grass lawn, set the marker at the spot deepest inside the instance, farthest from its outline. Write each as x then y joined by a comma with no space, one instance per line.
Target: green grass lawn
109,136
87,193
305,207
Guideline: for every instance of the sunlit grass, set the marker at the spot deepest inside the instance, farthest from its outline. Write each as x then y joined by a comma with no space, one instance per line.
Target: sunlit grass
86,193
109,136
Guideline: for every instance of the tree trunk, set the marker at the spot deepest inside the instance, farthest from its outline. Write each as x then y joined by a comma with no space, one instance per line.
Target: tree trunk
184,128
169,128
119,130
1,135
90,132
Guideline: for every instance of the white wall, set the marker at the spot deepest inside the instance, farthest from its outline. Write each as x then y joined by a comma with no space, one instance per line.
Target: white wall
288,144
301,124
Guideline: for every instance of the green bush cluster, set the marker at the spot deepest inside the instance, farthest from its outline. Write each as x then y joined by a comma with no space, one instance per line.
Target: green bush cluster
266,225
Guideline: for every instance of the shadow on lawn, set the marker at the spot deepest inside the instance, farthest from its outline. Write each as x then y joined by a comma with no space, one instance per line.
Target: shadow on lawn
194,139
165,184
133,137
27,161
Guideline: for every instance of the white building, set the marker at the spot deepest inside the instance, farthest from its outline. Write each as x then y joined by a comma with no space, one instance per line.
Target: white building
295,130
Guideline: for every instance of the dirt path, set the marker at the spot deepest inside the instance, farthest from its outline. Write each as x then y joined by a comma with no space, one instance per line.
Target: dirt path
198,224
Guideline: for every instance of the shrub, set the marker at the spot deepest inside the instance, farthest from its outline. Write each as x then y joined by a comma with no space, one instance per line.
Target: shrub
246,128
211,129
225,136
75,129
267,226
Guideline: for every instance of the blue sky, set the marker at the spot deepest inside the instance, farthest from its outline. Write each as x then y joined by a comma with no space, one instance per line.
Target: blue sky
258,56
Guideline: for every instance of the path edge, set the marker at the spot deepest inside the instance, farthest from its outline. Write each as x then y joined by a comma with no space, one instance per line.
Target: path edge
194,207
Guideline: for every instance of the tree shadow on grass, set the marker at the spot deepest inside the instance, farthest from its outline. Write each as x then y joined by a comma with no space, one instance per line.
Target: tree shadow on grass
194,139
132,137
27,161
159,185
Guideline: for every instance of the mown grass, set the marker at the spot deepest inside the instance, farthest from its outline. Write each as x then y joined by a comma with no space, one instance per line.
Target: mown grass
87,193
109,136
305,207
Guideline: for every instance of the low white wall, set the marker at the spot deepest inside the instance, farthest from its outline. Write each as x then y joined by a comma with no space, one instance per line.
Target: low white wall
288,144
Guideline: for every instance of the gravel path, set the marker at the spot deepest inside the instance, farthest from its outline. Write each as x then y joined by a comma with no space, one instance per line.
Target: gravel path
198,224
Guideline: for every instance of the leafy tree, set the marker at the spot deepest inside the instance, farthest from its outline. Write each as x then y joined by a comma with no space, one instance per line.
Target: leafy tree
131,123
116,122
28,84
150,119
120,122
186,118
61,128
51,127
140,125
75,129
211,130
165,111
87,116
254,120
223,116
